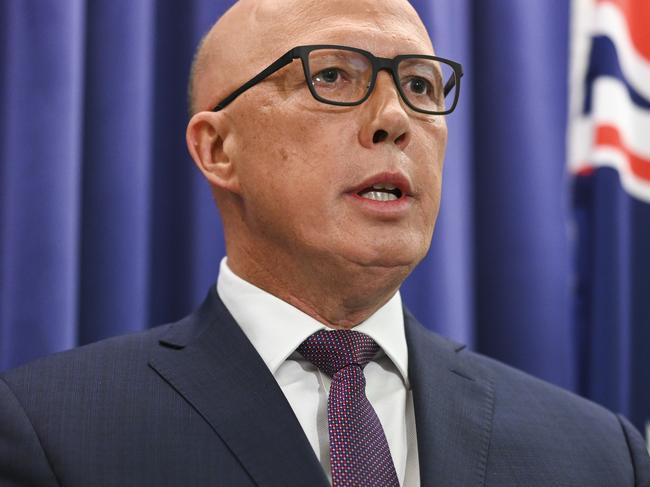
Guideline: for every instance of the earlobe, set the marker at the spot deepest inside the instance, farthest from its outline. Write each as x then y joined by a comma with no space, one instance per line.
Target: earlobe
206,136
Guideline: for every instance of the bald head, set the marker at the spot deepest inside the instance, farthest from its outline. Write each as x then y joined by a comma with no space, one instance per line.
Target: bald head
253,33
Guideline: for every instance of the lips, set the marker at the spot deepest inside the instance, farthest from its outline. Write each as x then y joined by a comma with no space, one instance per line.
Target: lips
384,187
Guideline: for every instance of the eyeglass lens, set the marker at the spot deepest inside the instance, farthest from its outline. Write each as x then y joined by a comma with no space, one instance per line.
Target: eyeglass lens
343,76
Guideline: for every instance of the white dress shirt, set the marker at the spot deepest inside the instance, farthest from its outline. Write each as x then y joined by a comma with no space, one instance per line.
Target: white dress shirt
276,329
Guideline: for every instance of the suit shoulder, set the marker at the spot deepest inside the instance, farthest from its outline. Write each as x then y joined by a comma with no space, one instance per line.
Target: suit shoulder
519,385
544,420
115,352
527,407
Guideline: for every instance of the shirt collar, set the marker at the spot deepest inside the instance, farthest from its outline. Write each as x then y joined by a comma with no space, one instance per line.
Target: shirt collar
276,328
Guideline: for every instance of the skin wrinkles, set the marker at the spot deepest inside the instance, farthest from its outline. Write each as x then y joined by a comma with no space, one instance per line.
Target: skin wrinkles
281,164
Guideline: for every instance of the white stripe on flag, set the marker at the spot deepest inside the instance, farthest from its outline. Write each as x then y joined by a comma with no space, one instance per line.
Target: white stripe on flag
612,105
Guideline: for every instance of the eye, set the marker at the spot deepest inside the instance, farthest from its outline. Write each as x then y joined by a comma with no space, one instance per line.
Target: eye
419,86
327,76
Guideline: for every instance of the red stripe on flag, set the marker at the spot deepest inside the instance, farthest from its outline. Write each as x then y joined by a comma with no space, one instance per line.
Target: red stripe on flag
609,136
585,170
637,15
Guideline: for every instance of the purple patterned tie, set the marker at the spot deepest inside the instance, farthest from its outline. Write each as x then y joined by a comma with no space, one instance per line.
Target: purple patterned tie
359,454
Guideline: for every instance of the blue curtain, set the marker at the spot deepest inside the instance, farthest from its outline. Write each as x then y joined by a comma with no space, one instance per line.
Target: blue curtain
107,228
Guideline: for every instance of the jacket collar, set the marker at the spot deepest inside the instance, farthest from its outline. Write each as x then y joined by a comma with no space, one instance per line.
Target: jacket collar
208,360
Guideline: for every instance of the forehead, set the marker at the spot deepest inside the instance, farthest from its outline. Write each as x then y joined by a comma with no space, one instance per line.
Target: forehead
381,42
385,27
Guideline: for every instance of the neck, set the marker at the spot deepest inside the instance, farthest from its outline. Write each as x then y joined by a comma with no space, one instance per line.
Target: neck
339,293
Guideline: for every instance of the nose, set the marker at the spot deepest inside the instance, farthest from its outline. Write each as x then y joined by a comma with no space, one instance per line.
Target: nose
385,118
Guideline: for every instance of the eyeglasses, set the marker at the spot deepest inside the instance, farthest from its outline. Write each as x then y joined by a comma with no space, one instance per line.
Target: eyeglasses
346,76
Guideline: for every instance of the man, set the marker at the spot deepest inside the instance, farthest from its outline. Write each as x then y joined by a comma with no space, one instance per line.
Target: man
327,170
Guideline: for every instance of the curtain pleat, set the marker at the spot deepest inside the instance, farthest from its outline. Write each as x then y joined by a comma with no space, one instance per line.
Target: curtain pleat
522,254
118,164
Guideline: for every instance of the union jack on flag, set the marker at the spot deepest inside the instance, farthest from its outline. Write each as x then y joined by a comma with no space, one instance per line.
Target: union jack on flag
609,121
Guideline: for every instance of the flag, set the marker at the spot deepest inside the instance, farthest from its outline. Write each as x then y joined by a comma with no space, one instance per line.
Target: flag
609,161
610,120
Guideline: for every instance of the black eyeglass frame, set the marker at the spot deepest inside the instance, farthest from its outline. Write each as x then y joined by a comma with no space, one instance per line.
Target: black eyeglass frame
377,63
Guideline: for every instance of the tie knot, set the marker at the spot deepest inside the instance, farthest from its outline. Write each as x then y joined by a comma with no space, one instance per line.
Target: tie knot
331,351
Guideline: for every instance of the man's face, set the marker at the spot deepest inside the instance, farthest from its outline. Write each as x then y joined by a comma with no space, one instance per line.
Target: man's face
304,168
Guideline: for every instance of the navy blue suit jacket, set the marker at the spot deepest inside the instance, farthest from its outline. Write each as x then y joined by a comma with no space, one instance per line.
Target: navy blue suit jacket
192,404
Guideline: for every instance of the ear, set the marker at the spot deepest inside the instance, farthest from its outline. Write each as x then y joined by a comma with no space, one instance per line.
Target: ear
206,139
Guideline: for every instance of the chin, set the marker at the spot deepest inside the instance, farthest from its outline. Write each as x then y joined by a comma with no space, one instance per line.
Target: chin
396,256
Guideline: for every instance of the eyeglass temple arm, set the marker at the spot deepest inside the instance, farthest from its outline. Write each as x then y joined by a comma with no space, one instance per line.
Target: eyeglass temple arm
451,82
277,65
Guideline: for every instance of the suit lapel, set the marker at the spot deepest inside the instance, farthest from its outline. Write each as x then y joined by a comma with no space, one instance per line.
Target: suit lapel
211,363
453,403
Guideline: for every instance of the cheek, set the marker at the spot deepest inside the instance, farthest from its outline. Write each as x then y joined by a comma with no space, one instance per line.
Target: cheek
309,150
288,166
282,135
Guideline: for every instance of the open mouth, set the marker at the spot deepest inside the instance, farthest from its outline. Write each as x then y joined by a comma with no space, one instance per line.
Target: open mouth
381,192
388,191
